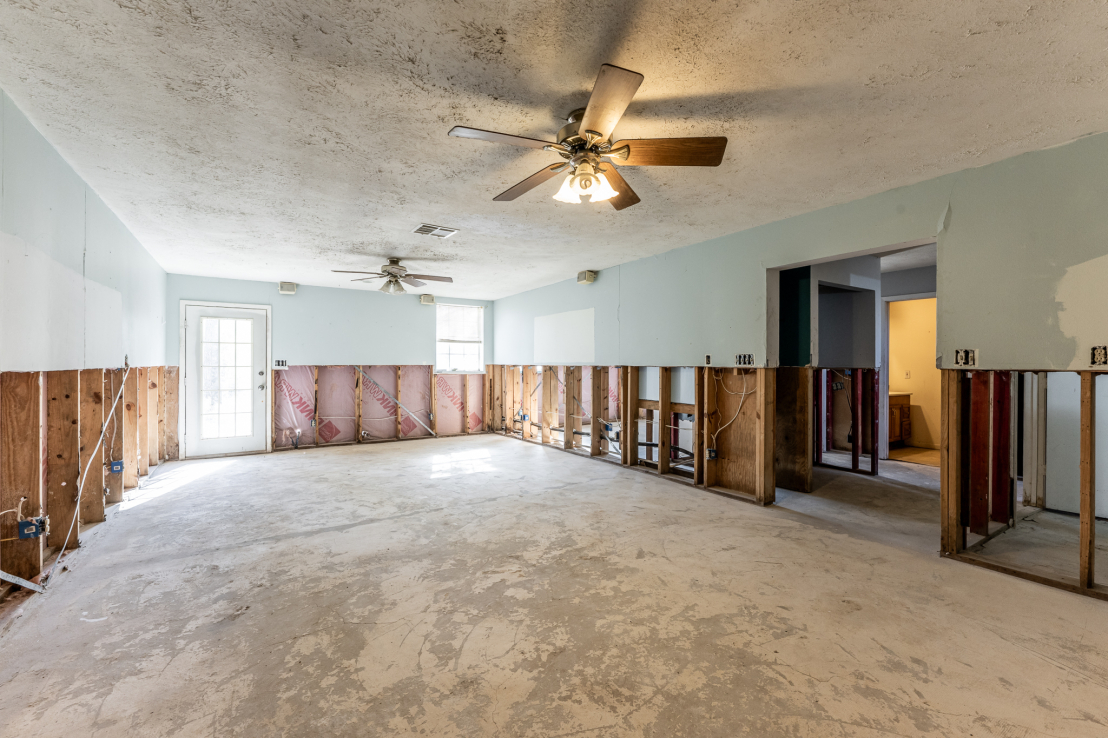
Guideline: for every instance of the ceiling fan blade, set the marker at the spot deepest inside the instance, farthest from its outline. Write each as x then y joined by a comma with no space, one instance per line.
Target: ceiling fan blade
367,279
673,152
531,182
626,197
431,278
494,137
611,95
411,281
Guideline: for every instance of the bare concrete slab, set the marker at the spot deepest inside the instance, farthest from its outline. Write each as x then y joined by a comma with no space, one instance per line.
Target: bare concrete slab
482,586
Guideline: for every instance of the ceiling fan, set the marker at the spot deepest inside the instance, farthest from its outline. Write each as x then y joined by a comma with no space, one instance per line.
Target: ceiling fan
394,274
584,141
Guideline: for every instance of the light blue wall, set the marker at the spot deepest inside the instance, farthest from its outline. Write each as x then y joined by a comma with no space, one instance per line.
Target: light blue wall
325,325
1022,246
79,289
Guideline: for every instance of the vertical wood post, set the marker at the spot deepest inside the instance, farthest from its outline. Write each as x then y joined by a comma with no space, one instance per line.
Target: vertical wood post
549,401
528,387
315,405
398,401
570,423
710,423
130,430
829,403
875,420
599,400
979,458
1087,574
698,448
172,413
113,435
154,412
434,403
1040,438
162,391
465,403
357,406
63,455
20,469
765,491
142,404
950,462
631,426
665,418
818,387
91,414
1000,475
856,389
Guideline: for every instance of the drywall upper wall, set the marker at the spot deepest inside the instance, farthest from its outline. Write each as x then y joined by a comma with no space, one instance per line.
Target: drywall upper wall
918,281
77,289
1021,246
1063,443
325,325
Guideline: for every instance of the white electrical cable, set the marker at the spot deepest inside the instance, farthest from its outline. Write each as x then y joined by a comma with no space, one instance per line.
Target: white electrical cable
84,477
742,400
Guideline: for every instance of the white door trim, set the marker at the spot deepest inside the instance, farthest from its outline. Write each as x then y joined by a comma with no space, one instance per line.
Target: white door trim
883,438
181,404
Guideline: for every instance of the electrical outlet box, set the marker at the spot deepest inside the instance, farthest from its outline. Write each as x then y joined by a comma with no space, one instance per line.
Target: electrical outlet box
711,454
30,528
908,374
965,357
1099,356
313,422
744,359
117,467
837,386
707,359
280,364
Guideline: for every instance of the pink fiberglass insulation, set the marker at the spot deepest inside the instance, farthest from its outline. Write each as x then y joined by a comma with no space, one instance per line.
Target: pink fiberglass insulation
335,397
378,411
415,395
295,388
476,402
449,406
562,396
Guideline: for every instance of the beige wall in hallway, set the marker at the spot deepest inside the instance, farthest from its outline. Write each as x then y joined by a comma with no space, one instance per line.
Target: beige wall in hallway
912,352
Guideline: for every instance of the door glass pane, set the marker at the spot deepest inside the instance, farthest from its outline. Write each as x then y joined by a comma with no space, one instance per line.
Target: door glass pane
226,365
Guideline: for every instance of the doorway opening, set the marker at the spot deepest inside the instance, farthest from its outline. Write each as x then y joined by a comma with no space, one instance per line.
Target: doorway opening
914,382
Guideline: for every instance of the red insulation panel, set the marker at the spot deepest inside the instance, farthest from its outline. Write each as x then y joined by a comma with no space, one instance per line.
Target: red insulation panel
415,395
449,406
476,402
378,411
295,408
336,402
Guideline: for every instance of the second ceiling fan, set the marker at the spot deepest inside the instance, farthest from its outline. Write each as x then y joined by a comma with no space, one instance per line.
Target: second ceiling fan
583,143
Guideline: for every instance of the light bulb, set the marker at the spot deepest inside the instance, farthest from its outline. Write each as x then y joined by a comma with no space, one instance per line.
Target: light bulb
566,193
583,180
603,190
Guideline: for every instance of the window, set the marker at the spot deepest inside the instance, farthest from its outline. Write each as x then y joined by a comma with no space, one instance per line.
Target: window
460,333
227,405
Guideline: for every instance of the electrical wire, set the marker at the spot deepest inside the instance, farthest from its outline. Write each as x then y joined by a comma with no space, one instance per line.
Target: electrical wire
742,400
84,478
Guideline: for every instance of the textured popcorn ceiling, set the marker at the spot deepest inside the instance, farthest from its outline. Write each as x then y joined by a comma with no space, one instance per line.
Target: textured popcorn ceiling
277,140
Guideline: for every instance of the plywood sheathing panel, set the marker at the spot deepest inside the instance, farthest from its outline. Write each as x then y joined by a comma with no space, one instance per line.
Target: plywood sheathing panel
20,469
793,437
450,404
130,430
379,412
162,377
91,414
337,404
475,401
63,455
142,404
415,400
295,406
736,413
172,410
114,434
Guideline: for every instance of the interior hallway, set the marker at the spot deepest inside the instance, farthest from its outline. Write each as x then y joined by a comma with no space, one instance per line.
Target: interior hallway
482,586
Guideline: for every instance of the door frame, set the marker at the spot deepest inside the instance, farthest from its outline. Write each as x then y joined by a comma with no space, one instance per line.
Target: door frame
182,403
883,438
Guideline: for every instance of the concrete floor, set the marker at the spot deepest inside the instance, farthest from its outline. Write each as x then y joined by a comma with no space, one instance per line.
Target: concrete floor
482,586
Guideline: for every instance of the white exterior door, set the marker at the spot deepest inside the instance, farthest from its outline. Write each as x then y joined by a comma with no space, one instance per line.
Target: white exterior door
226,385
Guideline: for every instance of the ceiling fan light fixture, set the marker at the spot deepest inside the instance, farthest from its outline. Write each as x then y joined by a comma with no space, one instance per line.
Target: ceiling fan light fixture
602,190
392,286
566,193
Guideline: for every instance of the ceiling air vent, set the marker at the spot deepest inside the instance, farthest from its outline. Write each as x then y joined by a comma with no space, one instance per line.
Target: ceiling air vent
437,231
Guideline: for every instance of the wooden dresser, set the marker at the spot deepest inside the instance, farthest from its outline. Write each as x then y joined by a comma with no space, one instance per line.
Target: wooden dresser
900,417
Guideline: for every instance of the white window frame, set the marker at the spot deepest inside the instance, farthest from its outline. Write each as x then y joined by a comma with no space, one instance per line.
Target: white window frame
481,343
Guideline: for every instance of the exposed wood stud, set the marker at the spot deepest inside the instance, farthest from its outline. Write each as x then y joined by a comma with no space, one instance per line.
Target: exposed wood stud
465,403
1086,570
766,481
857,389
172,413
130,430
599,401
114,435
1000,477
950,461
979,453
710,421
63,455
20,469
142,403
399,400
154,412
697,426
161,412
91,414
315,404
665,418
631,425
357,406
434,399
